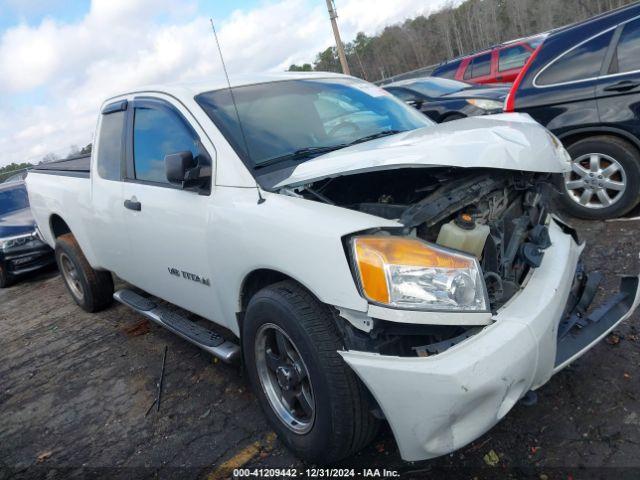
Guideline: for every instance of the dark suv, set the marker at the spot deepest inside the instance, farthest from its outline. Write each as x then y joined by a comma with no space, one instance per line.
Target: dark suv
583,84
21,250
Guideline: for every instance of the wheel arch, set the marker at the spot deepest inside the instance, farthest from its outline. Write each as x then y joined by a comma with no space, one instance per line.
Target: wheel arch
255,281
573,136
57,226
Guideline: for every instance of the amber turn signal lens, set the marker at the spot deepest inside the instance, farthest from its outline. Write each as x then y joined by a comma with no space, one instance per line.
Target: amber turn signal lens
374,252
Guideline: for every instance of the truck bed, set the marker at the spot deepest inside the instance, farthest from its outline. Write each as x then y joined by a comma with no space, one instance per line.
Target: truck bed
70,167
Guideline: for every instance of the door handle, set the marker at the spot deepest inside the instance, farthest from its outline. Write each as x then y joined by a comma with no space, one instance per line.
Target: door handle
133,205
622,86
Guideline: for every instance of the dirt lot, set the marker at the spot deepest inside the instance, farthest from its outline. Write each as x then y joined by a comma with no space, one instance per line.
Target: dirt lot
75,389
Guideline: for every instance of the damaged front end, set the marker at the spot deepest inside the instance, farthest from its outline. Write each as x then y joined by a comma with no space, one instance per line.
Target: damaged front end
495,219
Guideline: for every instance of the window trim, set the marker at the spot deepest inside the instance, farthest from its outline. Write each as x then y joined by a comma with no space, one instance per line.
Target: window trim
118,106
128,175
611,46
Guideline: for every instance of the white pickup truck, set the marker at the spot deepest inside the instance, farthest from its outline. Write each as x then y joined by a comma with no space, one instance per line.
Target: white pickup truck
367,263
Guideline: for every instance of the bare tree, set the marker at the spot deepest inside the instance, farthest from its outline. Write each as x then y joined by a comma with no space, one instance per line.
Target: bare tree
455,30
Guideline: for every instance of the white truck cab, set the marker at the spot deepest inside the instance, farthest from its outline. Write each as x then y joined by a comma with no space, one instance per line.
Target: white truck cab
367,263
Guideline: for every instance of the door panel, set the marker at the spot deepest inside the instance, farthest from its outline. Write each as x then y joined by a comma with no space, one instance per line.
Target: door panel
169,245
166,225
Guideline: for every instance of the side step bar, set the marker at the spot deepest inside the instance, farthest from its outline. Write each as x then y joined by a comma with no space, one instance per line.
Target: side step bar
206,339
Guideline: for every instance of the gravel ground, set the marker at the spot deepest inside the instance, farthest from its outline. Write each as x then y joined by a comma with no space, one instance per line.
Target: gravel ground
75,390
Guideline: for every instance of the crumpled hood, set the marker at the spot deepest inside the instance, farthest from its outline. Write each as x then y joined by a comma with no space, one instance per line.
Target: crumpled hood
509,141
16,223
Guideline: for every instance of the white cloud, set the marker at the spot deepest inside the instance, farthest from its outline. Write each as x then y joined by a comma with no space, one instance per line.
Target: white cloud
118,44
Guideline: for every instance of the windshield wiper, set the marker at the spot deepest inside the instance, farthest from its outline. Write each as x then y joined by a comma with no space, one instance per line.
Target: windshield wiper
305,152
381,134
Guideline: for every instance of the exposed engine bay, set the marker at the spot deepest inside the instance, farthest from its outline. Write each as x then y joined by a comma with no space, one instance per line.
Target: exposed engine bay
496,215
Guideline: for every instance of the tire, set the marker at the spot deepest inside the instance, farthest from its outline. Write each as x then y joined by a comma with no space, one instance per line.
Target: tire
607,149
91,289
6,280
342,422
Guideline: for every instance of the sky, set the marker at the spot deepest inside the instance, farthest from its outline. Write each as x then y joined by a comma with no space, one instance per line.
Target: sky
59,59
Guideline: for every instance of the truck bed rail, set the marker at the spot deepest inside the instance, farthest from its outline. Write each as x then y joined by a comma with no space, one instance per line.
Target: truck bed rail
72,167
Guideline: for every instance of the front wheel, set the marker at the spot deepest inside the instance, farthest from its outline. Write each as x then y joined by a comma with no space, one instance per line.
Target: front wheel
604,181
91,289
311,397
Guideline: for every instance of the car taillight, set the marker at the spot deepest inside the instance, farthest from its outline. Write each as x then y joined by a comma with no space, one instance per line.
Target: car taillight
510,101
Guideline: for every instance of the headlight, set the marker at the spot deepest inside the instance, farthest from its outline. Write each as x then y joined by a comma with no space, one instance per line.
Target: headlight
409,273
485,104
19,241
557,144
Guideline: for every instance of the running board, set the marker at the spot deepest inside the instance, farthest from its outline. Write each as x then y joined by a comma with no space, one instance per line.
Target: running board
206,339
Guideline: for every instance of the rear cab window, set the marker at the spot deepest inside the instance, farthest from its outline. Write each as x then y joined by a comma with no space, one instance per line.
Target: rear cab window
111,141
580,63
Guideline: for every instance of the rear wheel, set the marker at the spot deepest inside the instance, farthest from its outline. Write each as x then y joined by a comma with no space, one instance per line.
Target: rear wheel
6,279
311,397
604,181
91,289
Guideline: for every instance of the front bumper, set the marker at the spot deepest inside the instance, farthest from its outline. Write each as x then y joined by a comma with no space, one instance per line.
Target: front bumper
440,403
28,260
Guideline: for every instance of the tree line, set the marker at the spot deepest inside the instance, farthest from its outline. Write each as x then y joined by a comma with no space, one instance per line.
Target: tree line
453,31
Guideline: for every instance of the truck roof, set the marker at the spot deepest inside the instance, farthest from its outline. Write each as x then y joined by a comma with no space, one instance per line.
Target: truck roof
219,82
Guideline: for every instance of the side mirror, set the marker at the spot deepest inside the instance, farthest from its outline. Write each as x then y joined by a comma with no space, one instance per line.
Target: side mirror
413,103
177,166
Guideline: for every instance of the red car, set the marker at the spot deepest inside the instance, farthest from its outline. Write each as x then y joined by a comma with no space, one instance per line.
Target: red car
499,64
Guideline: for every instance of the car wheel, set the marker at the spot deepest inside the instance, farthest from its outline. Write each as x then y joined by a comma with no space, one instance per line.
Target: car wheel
91,289
313,400
6,280
604,181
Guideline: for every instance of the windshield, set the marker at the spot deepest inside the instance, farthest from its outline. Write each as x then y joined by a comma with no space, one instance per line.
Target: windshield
287,122
438,87
12,200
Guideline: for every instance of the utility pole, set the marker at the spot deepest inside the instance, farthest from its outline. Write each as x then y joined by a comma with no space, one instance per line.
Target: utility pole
343,58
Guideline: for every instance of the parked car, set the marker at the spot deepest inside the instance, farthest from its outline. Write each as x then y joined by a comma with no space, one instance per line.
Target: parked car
395,268
498,64
21,249
443,100
16,177
583,84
